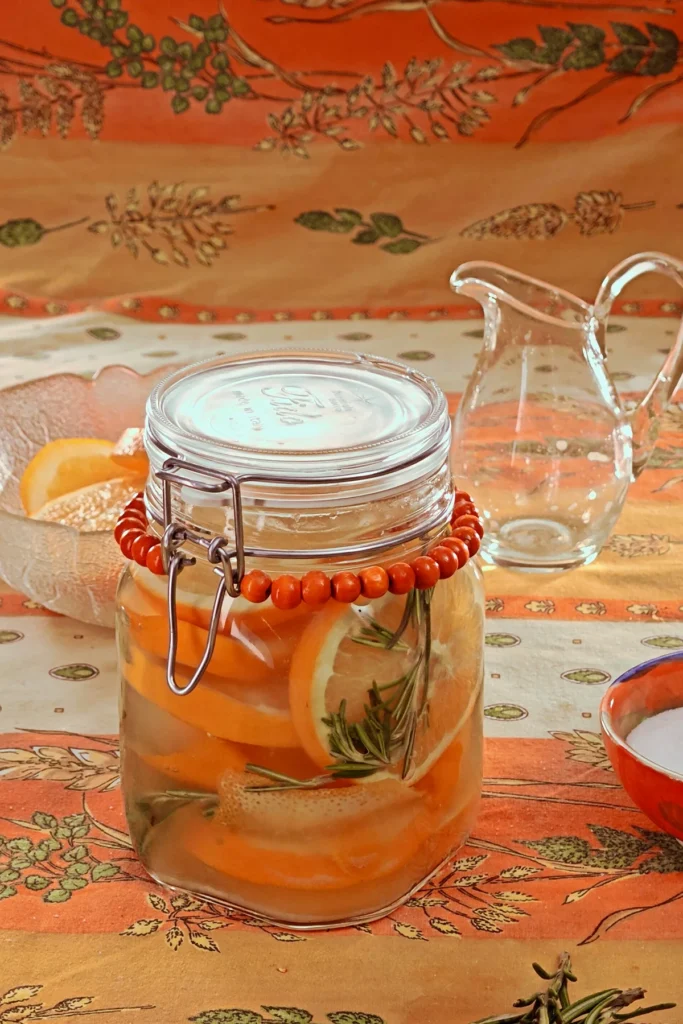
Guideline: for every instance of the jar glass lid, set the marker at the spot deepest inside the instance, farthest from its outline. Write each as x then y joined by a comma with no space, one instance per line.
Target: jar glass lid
298,416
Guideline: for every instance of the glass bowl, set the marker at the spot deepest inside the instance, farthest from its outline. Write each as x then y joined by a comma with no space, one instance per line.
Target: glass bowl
641,692
66,571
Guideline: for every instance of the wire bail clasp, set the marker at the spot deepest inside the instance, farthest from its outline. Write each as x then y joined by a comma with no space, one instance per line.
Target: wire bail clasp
184,474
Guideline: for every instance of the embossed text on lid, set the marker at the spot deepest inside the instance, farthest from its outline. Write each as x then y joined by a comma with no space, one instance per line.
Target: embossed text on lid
299,414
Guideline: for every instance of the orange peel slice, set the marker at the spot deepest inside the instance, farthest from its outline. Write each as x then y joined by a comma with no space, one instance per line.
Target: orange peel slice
129,451
91,509
354,849
229,709
202,764
195,605
64,465
329,665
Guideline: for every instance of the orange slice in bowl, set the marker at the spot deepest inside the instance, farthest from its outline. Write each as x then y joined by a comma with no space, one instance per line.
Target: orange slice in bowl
65,465
129,451
93,508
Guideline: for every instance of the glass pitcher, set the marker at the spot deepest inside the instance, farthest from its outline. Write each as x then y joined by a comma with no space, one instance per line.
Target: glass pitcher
541,437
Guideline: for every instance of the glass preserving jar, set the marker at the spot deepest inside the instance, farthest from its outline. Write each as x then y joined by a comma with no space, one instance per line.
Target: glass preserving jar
290,746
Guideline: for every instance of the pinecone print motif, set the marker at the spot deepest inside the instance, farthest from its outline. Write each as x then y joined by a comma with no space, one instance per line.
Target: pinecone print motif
633,545
595,213
532,220
598,213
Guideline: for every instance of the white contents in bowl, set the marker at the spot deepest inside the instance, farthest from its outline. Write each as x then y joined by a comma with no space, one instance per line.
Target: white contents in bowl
660,740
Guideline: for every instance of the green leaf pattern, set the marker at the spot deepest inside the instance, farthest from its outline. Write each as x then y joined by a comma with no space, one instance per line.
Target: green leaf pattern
376,227
58,863
200,67
581,47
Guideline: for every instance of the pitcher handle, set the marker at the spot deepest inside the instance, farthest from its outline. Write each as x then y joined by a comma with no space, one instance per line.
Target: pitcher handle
646,417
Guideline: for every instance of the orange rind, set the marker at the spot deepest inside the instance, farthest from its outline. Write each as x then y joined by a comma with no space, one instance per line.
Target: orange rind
349,850
233,710
129,451
90,509
65,465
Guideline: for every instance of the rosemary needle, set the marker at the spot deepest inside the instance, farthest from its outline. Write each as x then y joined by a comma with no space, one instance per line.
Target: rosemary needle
553,1005
385,735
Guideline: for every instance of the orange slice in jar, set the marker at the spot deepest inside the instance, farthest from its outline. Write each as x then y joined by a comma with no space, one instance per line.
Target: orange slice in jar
256,661
194,760
330,665
195,603
323,672
456,679
307,840
245,711
246,655
198,767
203,764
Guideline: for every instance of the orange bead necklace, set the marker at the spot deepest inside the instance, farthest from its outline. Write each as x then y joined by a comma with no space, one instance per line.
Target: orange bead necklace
447,555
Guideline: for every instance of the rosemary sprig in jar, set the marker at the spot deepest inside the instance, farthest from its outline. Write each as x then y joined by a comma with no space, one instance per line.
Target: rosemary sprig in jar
386,733
552,1005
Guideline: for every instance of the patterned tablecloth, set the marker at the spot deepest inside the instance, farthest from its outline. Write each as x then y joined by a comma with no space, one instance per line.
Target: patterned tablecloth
559,857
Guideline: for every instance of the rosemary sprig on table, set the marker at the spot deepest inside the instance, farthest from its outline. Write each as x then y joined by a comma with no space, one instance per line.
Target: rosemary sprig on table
386,733
552,1005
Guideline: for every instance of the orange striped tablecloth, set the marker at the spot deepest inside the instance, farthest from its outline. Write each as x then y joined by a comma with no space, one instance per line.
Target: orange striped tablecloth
559,857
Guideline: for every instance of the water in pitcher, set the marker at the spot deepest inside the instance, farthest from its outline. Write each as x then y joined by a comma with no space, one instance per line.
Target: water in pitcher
541,436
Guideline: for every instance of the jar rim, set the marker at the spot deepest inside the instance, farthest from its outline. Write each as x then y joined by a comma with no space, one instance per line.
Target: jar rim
281,415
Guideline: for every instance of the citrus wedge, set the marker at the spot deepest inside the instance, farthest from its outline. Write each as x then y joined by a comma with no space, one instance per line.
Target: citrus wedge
198,760
234,659
314,817
65,465
244,655
93,508
336,839
203,764
454,778
330,665
129,451
245,712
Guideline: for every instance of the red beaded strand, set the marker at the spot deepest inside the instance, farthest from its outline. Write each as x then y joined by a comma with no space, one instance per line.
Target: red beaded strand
315,588
131,535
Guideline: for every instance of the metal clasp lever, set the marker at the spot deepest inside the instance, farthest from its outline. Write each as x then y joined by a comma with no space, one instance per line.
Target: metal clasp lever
175,471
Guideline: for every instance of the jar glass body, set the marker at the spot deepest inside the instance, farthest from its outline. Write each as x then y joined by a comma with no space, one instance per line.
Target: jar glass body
350,850
329,758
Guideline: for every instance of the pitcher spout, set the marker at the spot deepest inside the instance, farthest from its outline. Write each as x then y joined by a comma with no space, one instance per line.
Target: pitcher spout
492,285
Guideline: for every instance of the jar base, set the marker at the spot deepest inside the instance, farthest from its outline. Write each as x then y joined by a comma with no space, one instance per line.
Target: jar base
315,926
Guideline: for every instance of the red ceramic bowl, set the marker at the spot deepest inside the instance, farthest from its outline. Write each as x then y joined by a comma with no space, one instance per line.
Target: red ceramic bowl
641,692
